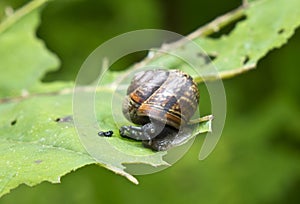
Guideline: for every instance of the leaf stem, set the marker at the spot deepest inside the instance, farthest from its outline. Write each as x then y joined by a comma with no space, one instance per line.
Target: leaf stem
65,91
10,20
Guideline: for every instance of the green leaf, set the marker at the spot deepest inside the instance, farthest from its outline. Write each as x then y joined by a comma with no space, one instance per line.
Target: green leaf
38,139
41,143
268,24
34,147
24,58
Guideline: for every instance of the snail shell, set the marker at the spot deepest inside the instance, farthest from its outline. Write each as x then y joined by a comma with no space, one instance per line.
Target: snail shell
168,96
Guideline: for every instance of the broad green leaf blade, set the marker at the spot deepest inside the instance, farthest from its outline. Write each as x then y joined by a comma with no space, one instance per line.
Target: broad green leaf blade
32,149
24,58
268,25
34,146
39,142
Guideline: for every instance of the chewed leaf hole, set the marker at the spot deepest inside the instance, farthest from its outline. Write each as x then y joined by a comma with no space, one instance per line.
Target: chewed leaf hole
212,57
281,31
246,60
12,123
207,58
227,29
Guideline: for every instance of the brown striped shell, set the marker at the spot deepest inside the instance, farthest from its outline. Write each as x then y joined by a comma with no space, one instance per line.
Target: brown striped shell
169,96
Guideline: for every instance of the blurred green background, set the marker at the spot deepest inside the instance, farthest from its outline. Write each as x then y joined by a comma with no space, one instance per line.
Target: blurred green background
257,159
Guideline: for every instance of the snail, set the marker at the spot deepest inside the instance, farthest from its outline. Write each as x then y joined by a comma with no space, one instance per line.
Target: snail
162,102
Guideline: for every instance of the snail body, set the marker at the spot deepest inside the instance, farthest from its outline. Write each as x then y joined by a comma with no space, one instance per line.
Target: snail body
162,101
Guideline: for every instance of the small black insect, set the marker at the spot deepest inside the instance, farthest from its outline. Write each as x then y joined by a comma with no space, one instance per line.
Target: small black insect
106,134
